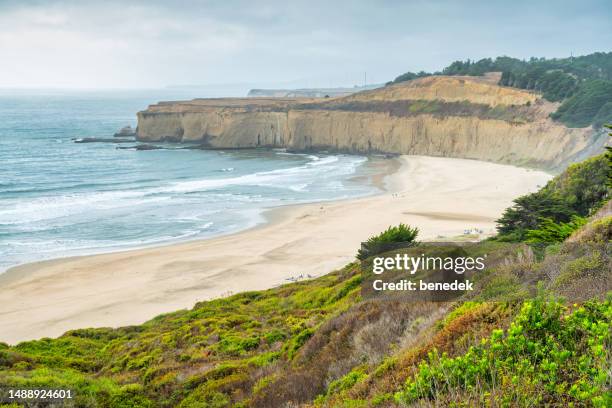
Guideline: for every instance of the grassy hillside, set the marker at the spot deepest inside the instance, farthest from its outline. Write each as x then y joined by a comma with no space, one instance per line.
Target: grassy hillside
437,108
583,84
510,342
317,343
215,353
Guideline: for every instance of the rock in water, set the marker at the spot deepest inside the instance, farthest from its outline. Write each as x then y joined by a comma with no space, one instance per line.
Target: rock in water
141,147
101,140
126,131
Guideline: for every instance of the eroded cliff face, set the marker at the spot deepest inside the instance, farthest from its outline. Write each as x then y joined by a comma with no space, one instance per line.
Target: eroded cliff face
438,116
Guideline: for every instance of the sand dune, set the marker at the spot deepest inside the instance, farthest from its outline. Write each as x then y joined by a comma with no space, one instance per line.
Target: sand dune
441,196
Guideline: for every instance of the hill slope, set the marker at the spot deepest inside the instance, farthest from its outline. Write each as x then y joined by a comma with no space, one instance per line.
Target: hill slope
320,343
583,84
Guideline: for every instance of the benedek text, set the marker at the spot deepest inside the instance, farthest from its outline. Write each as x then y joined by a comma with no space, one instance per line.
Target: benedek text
405,284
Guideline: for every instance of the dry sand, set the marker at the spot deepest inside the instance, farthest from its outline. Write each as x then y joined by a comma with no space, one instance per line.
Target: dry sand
441,196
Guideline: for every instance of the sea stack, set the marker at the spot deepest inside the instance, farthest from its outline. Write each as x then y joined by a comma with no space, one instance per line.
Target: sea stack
126,131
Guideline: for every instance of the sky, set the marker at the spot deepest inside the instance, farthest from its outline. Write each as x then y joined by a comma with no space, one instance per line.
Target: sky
154,44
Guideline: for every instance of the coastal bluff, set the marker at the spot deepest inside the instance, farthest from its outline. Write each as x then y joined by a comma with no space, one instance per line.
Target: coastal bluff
445,116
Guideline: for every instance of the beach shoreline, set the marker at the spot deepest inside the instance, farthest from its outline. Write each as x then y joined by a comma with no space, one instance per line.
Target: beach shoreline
372,173
441,196
375,178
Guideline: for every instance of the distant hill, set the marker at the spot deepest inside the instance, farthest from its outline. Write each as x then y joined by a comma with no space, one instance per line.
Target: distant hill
310,92
582,84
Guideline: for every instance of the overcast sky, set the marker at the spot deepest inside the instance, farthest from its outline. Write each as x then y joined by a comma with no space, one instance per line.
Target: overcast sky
151,44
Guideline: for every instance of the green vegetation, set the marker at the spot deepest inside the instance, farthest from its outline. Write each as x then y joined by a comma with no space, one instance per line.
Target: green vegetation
437,108
551,232
549,355
401,234
320,343
409,76
578,192
590,104
609,158
217,354
583,84
511,351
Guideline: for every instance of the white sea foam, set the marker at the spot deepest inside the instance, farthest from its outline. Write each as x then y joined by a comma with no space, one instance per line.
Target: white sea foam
99,221
280,178
293,178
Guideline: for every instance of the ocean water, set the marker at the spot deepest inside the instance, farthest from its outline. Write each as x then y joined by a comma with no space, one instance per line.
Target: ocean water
59,198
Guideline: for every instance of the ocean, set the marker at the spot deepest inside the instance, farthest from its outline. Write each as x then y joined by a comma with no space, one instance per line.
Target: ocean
59,198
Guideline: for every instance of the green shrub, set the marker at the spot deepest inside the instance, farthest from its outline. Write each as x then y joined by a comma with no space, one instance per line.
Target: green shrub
591,103
551,232
401,234
298,341
274,336
546,355
235,345
346,382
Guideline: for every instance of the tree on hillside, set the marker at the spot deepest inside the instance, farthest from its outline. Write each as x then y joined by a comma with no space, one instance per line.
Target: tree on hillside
583,84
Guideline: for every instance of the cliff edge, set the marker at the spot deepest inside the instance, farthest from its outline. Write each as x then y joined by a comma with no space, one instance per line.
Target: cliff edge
466,117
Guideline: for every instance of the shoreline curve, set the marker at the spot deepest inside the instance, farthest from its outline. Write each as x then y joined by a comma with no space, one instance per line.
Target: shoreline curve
440,196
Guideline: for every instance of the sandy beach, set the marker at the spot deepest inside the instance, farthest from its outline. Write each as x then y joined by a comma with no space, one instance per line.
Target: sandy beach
442,197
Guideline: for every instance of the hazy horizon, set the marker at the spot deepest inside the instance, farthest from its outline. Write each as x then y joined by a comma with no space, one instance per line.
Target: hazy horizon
139,45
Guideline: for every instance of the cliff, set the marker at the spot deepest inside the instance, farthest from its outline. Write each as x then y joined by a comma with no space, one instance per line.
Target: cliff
462,117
